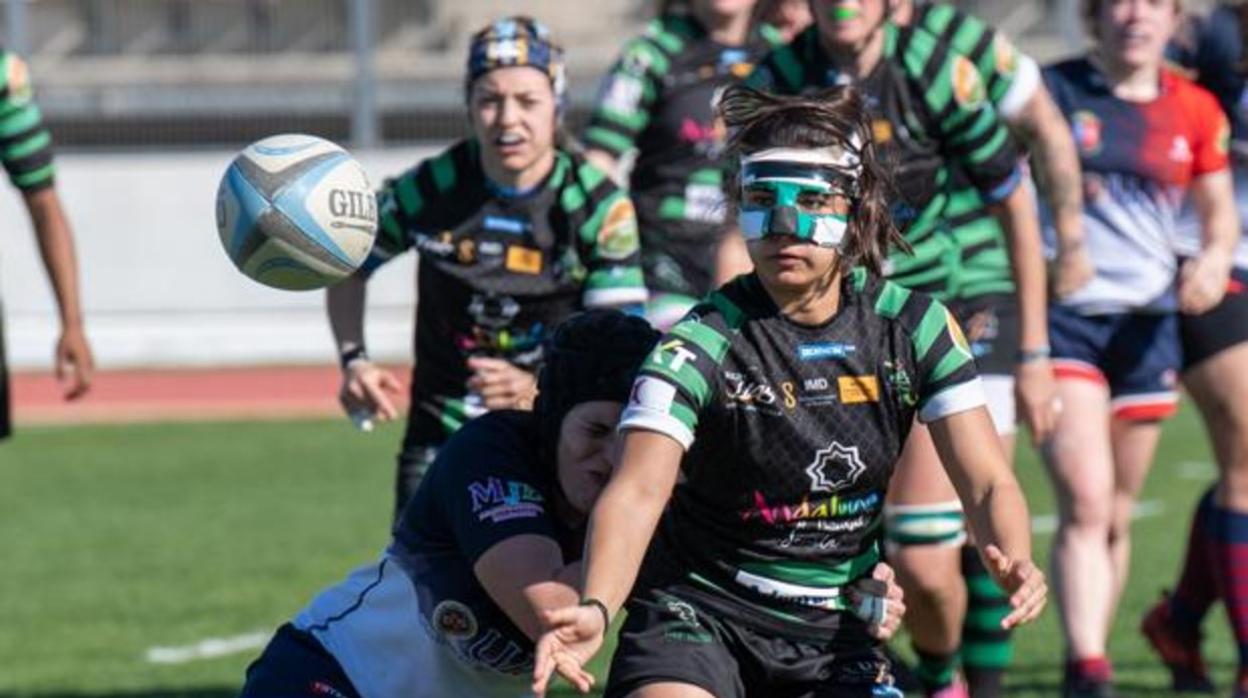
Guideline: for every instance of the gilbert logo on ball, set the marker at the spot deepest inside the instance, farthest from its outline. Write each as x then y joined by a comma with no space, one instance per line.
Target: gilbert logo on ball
296,212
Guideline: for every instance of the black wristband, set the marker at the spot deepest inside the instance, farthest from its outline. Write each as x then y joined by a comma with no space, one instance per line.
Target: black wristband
602,608
346,357
1026,356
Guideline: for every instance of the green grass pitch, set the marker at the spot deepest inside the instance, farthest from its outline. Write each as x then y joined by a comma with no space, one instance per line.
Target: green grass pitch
114,540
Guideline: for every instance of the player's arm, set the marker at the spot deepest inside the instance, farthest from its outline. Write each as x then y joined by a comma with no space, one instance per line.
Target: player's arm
1203,279
74,361
977,140
622,109
611,242
526,577
953,405
1042,127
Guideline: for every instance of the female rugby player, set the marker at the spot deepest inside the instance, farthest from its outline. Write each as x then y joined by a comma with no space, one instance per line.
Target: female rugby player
1146,137
784,401
514,233
659,99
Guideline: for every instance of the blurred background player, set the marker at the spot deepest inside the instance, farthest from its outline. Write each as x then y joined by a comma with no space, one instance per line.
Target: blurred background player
959,618
788,17
26,150
1146,137
743,589
491,538
514,233
959,180
658,99
1215,374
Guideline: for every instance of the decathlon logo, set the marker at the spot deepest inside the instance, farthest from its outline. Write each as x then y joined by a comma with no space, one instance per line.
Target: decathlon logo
835,468
825,350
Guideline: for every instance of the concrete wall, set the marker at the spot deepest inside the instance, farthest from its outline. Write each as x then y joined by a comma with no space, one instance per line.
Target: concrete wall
157,287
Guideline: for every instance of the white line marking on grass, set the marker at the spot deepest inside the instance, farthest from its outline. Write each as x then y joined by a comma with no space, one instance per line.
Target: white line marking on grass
1197,470
209,648
1047,523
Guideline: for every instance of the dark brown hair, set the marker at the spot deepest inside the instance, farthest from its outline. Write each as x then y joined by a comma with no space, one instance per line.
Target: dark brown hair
757,121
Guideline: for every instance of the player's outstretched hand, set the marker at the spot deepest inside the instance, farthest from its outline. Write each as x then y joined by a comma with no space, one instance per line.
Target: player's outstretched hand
575,634
1035,391
74,365
1023,581
878,601
1202,282
368,391
501,385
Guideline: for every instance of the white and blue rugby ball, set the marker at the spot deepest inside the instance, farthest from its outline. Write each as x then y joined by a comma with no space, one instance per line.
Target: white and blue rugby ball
296,212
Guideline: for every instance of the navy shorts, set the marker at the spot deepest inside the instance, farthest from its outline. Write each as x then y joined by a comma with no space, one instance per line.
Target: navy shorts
1137,356
296,665
1221,328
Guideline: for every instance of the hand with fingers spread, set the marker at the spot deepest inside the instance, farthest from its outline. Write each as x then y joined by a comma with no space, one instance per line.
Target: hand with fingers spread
1202,282
74,365
576,633
1035,390
1023,581
501,384
368,391
878,601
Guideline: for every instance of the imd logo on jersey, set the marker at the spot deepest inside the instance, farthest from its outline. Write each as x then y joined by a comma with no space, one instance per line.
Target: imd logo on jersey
1086,128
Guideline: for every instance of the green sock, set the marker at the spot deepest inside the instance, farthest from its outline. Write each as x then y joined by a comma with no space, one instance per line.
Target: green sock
986,649
935,671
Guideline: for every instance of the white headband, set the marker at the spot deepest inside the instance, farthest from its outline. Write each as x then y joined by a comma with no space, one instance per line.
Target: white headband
837,156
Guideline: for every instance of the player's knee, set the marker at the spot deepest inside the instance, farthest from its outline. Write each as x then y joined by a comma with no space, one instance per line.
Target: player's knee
1087,510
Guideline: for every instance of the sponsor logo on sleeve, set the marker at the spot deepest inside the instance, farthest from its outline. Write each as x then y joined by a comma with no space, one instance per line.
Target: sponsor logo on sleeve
455,620
618,238
500,500
835,468
622,94
1005,55
818,351
955,331
673,354
17,80
968,87
855,390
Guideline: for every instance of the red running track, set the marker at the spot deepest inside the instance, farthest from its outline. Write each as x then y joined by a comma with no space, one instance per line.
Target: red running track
270,392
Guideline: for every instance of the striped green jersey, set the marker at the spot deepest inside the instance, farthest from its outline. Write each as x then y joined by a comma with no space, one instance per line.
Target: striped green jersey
792,432
949,152
658,99
25,145
499,269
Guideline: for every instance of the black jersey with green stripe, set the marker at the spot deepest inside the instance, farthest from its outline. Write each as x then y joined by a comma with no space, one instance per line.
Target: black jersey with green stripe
498,270
1001,65
25,145
792,432
948,150
658,99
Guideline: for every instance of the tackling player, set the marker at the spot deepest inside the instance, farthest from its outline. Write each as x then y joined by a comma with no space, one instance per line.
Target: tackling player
1215,374
514,233
489,540
1146,137
26,152
784,401
659,100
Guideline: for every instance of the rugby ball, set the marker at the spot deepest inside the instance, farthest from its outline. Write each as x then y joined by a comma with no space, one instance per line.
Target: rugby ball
296,212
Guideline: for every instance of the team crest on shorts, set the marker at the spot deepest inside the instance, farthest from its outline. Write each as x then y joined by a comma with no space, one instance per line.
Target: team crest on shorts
454,620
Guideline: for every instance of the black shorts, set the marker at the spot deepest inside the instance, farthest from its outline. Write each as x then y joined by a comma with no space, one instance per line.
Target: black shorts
668,638
991,326
295,665
1219,329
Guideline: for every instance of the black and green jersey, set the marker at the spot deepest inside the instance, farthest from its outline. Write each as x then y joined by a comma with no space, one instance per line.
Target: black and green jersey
25,145
949,152
659,99
498,270
1010,76
792,433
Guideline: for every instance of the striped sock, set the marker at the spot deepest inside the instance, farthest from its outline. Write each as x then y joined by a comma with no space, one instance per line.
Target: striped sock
936,671
1228,533
986,649
1198,587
